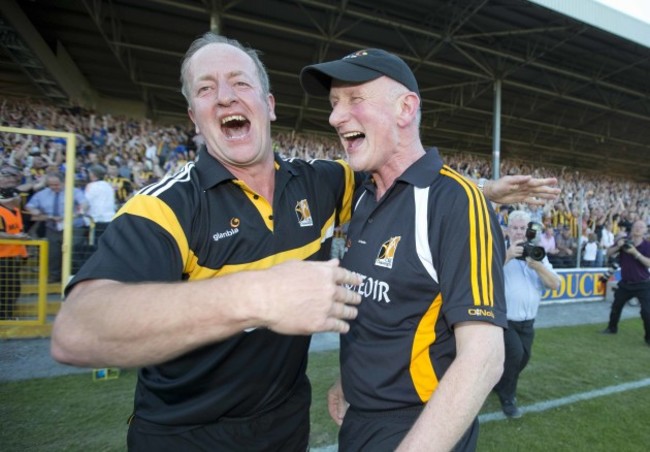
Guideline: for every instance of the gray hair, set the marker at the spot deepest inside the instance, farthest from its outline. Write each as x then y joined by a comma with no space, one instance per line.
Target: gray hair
519,215
213,38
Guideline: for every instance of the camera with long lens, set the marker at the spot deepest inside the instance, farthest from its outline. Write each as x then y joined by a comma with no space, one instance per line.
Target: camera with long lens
536,253
609,273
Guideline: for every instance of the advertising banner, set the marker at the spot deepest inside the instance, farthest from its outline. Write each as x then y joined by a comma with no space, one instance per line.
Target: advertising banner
579,284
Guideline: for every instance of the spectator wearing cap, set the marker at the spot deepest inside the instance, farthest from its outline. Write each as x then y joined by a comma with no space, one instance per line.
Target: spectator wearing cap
11,256
101,199
47,205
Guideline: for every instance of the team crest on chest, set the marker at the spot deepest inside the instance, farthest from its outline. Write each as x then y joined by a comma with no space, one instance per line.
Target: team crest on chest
387,252
304,214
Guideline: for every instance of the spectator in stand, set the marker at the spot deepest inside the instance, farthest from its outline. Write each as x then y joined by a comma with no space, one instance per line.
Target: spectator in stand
567,247
625,222
590,251
47,205
502,215
536,214
559,215
547,241
122,186
100,197
606,240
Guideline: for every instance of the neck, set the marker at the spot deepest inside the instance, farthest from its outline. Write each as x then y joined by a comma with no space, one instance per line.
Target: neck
260,178
385,176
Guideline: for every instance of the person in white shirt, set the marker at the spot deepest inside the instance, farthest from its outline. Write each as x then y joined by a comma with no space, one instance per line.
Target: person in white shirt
101,200
606,240
590,251
525,280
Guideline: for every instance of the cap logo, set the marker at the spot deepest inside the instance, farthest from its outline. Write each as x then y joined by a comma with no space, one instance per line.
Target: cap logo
356,54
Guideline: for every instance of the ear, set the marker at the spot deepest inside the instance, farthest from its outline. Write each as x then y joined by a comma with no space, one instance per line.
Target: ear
191,113
409,105
271,103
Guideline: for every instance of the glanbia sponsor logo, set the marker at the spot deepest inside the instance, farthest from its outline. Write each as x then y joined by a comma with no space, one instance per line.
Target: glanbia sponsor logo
223,235
476,312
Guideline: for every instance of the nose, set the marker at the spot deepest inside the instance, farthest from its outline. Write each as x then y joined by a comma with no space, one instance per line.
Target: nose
338,115
225,94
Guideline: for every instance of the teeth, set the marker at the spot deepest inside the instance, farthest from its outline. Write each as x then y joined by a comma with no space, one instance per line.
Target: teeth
349,135
228,119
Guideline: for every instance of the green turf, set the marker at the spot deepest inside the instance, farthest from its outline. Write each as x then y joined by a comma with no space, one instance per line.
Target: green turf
74,413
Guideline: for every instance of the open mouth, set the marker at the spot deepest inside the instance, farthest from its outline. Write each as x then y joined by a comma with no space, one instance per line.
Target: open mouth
235,126
353,139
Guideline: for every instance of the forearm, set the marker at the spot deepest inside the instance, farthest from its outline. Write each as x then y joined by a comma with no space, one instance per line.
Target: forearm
459,395
105,323
549,279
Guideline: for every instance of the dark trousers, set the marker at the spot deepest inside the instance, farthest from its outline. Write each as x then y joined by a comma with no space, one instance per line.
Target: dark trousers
9,286
55,256
284,429
622,295
518,347
383,431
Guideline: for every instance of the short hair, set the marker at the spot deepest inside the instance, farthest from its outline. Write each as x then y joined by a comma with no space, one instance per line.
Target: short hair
98,171
213,38
519,215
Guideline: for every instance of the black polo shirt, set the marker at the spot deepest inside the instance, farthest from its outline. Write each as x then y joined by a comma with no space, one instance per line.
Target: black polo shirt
202,223
431,254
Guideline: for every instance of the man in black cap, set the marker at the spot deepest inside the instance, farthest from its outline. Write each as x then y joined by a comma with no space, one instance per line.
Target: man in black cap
427,346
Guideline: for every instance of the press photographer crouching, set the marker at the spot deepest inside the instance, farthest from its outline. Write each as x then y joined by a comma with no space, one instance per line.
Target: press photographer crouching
527,272
633,254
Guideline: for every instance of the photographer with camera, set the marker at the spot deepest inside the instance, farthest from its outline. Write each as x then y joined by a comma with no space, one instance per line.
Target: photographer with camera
527,272
634,258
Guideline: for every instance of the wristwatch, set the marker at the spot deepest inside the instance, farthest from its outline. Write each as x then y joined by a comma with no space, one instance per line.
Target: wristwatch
481,184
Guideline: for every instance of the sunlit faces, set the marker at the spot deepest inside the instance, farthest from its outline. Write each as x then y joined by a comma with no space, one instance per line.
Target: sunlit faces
365,117
228,106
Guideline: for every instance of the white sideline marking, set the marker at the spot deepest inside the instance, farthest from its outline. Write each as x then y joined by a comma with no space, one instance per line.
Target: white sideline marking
543,406
549,404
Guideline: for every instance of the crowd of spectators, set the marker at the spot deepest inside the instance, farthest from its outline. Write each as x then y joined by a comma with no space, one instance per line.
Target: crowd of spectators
136,152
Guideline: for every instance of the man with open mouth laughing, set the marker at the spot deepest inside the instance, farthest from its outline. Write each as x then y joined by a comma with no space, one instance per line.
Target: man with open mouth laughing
221,329
427,346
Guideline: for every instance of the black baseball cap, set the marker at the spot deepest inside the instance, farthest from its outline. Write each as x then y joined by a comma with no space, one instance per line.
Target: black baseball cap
358,67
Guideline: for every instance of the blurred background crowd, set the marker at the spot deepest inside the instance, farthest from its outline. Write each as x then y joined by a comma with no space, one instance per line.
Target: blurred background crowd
129,153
